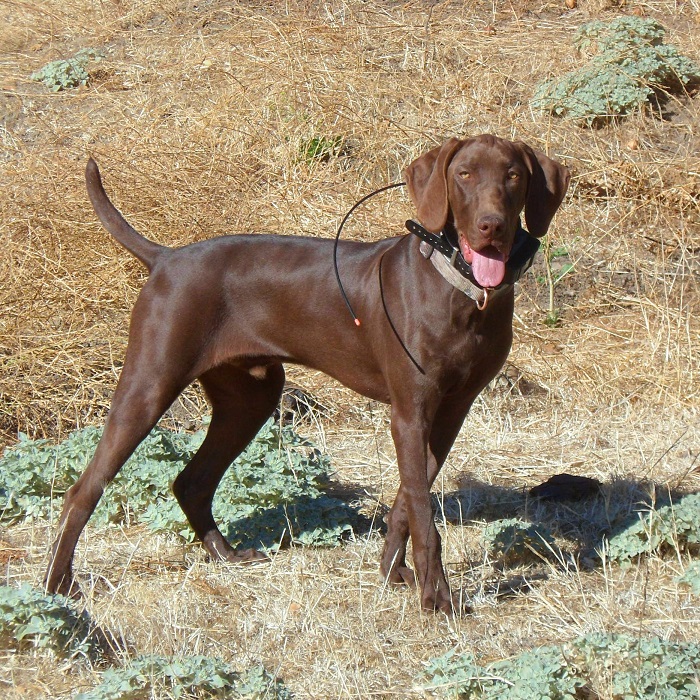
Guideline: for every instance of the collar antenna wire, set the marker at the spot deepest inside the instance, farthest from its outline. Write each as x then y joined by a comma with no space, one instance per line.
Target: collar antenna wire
337,238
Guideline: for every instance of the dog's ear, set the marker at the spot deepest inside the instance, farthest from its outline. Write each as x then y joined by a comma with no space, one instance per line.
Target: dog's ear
549,181
426,178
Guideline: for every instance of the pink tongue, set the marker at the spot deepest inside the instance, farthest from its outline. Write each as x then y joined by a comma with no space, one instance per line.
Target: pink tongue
488,266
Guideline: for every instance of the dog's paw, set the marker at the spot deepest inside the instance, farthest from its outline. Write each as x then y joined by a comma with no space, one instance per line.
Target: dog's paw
401,576
246,556
437,601
442,600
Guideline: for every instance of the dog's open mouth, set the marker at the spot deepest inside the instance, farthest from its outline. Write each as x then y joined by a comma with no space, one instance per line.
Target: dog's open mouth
488,264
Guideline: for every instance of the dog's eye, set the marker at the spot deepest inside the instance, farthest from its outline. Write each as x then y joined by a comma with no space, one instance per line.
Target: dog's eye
465,175
513,175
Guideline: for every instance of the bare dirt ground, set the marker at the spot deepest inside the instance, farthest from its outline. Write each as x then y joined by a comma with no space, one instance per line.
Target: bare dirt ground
197,116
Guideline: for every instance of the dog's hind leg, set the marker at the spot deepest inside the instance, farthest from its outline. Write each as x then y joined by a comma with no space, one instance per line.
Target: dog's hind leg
241,403
139,401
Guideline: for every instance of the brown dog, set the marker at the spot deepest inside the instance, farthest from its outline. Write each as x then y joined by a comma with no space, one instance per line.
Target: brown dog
231,311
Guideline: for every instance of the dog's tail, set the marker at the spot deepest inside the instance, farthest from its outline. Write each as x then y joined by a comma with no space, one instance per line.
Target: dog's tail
139,246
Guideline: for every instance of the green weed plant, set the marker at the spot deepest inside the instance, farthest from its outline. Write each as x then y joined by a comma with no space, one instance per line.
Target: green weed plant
164,677
621,666
68,73
274,493
630,66
321,149
515,541
671,527
691,578
31,619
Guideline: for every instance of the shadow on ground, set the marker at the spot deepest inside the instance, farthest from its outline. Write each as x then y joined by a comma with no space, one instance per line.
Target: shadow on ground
585,521
581,527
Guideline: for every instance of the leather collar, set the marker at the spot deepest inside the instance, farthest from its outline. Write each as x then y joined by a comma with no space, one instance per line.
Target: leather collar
442,264
450,263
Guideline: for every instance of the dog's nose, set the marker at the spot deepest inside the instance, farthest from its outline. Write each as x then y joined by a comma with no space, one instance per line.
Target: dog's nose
491,226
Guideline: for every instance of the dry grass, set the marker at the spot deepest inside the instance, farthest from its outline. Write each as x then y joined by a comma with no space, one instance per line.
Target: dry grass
196,117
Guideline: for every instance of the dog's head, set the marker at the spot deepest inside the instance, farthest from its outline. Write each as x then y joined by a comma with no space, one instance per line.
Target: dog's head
479,187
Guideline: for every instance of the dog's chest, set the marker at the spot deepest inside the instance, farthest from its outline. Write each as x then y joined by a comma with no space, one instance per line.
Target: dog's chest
479,348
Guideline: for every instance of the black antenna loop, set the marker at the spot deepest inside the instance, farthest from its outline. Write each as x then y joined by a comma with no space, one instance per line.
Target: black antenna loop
337,238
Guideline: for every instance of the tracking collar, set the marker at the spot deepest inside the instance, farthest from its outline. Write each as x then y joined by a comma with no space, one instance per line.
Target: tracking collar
451,261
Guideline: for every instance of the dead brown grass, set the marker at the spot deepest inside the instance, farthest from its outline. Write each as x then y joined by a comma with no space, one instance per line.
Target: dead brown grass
196,117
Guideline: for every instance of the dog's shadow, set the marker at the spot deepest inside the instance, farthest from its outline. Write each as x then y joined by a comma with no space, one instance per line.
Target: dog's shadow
579,523
582,522
579,527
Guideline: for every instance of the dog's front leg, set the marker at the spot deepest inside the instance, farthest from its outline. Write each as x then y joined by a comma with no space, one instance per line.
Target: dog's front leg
410,436
393,561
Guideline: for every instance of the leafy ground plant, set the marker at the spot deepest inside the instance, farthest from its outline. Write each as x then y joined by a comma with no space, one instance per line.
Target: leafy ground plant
321,148
29,618
274,492
67,73
185,677
620,666
691,577
552,279
630,66
513,540
675,526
